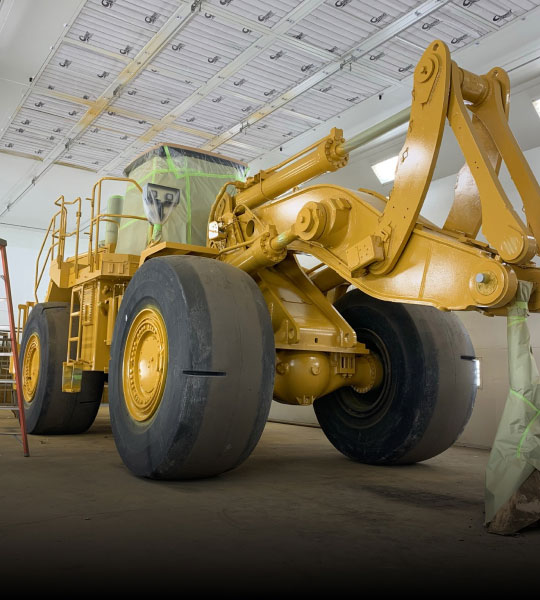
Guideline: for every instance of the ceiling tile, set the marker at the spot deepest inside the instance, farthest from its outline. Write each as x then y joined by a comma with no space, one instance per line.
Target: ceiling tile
217,112
497,12
153,94
232,151
394,58
449,24
275,129
120,26
204,47
173,136
260,11
79,71
274,71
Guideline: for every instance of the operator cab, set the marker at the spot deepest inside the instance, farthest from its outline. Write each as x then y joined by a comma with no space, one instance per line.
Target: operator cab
179,185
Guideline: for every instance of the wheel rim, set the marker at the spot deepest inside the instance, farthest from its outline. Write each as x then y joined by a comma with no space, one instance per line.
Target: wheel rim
30,369
145,364
370,407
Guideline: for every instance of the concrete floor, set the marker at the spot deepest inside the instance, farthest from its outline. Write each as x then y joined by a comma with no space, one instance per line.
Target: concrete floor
297,516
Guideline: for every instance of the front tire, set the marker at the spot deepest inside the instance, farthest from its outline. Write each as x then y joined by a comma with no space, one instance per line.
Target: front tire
192,368
427,393
49,410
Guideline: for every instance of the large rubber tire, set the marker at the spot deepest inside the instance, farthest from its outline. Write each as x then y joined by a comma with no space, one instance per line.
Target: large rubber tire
52,411
220,372
428,390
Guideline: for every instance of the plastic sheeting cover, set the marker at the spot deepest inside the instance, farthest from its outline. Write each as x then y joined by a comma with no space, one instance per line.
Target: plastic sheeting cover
199,177
516,451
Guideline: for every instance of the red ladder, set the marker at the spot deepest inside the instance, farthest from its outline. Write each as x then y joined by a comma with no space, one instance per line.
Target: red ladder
14,350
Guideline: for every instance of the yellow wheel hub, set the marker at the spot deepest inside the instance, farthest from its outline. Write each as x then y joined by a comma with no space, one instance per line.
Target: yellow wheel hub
145,364
30,368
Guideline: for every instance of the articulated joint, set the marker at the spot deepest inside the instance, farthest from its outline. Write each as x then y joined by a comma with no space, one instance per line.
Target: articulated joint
324,222
474,88
304,376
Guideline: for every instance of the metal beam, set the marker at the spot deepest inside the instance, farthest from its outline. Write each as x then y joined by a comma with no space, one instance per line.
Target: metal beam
21,154
137,117
42,91
299,115
108,53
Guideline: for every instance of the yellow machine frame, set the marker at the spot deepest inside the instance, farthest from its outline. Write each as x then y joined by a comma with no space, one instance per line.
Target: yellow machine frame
379,245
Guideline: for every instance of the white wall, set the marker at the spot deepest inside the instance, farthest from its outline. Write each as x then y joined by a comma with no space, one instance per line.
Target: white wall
24,225
22,248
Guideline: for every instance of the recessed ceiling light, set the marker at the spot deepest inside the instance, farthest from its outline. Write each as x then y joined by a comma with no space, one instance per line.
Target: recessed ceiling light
386,169
536,104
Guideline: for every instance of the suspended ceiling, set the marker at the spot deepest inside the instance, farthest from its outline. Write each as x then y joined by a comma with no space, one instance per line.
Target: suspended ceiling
237,77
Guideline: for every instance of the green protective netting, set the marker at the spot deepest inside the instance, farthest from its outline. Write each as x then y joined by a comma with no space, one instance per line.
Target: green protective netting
199,177
515,455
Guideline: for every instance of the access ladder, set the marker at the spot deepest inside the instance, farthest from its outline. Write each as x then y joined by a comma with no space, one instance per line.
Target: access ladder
12,352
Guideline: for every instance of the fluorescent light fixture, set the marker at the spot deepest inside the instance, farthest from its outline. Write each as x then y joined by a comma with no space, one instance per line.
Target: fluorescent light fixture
386,169
536,104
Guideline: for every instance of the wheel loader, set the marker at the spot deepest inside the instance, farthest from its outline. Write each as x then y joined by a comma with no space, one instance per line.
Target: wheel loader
192,304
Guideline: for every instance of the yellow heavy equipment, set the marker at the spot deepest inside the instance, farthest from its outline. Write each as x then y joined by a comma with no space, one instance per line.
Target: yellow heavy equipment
196,311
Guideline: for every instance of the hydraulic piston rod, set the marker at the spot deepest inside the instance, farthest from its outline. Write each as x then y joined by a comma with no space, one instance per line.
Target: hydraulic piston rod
473,87
328,154
372,133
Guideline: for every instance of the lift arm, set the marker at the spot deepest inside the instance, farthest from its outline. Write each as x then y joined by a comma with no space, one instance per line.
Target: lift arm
382,245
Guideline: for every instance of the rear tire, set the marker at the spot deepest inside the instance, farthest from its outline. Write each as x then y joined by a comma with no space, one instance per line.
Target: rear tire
50,411
192,368
427,393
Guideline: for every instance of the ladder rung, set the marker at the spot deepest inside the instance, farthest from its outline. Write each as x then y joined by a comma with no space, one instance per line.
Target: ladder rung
7,380
76,314
6,353
8,407
73,339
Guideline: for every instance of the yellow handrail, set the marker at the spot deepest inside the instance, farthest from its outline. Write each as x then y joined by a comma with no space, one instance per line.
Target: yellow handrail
59,234
52,224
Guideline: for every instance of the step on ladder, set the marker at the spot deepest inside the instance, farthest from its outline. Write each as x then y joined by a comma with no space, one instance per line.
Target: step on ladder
10,350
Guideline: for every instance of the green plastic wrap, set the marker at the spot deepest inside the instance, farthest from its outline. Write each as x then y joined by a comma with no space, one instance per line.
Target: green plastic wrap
198,175
515,455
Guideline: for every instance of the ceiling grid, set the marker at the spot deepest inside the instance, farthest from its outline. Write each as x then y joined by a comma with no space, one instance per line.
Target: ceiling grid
343,63
252,52
238,77
178,19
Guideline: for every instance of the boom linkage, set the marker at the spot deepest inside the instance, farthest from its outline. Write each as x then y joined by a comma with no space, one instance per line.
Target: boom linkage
382,246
